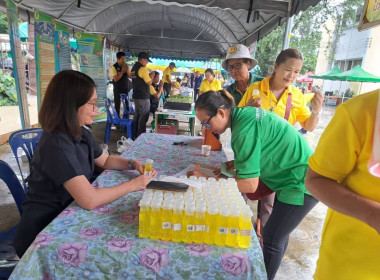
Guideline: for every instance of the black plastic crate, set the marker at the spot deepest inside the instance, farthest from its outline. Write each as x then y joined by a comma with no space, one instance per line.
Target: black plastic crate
177,106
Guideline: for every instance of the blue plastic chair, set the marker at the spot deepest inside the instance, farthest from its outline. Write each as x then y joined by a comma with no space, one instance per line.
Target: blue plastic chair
7,251
127,104
27,140
113,119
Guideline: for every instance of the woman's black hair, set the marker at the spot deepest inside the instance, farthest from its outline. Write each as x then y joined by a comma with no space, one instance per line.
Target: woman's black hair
209,70
67,91
211,101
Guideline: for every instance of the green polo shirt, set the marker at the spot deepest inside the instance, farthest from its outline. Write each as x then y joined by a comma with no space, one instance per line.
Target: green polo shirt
237,94
267,146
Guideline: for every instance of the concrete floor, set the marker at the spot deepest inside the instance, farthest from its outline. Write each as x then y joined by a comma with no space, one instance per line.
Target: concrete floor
300,258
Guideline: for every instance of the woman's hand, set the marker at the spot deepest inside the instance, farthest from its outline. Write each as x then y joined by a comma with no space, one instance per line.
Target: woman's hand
138,166
316,103
254,102
230,165
140,182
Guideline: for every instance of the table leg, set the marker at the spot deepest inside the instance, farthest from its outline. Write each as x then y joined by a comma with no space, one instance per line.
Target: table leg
156,121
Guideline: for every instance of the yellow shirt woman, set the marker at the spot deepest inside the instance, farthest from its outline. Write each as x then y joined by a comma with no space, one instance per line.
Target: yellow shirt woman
350,249
299,110
215,85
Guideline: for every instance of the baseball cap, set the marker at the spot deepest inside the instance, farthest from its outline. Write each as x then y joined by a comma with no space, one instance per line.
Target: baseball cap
239,51
144,55
172,64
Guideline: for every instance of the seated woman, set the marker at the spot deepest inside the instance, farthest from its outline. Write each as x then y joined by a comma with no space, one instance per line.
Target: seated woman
268,147
178,83
65,157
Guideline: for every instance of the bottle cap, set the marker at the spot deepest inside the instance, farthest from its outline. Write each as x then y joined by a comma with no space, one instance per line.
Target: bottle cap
149,161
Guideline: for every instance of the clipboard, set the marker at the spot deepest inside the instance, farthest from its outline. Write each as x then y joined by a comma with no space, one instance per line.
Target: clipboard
167,186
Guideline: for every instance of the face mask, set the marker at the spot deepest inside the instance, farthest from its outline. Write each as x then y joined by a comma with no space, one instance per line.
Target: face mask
374,162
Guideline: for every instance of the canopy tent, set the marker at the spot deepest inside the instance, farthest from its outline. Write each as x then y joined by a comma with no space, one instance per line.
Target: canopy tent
357,74
328,74
189,29
305,78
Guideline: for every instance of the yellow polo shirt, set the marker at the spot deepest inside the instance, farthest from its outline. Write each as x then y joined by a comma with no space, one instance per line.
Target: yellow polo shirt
350,249
152,91
215,85
299,110
167,72
177,84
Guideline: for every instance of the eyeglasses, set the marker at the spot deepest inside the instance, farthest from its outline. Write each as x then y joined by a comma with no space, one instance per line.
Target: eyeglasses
234,66
94,104
206,124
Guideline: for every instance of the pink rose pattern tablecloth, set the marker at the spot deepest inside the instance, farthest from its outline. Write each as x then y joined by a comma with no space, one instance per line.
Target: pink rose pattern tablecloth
103,243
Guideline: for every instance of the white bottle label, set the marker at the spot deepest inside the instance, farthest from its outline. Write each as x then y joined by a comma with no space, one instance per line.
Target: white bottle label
200,228
245,232
147,173
223,230
166,225
207,228
177,227
190,227
234,231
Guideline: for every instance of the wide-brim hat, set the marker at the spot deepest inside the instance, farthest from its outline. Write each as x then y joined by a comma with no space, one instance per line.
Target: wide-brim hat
239,52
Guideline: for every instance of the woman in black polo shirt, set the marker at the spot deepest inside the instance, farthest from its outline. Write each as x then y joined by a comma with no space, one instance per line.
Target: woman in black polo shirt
65,157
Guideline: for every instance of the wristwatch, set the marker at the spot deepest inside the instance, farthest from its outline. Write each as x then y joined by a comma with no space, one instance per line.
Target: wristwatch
315,114
130,166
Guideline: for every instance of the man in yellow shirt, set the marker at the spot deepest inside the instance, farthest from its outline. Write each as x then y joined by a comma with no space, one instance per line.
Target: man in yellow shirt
210,83
141,93
168,84
338,176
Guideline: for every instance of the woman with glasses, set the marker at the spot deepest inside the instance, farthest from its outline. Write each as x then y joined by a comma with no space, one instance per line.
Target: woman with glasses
238,63
264,146
65,157
210,83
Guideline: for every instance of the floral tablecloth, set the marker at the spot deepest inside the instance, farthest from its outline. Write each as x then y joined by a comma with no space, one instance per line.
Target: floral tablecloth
103,243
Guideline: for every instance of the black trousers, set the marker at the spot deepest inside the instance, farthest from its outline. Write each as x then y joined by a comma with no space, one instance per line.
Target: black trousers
167,89
116,99
196,93
283,220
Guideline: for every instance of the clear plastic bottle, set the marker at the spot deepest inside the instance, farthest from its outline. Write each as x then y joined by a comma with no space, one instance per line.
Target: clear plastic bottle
166,220
245,223
200,223
223,226
233,231
144,218
189,225
211,224
177,222
155,219
148,167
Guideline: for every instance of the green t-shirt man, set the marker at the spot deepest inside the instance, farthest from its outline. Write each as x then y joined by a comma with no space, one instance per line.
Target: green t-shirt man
267,146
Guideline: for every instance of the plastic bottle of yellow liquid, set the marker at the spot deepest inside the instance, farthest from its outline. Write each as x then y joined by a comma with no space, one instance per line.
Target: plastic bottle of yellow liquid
177,222
200,223
144,219
211,224
155,219
148,167
166,220
233,231
189,225
221,235
245,222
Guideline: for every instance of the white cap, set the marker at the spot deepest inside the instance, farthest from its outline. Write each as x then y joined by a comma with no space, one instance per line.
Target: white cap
239,51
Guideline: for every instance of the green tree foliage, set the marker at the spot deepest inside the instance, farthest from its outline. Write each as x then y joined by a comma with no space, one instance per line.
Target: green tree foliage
307,33
8,95
3,23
